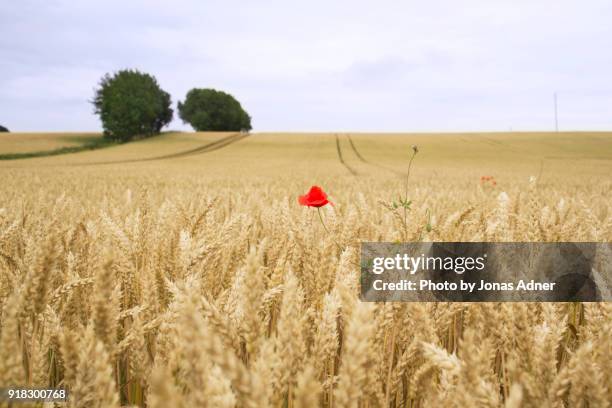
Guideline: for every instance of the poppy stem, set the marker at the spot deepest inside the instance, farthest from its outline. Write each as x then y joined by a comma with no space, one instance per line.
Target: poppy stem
408,173
332,238
321,218
405,205
326,230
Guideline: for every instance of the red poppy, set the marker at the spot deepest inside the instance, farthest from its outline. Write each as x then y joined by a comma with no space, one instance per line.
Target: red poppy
316,197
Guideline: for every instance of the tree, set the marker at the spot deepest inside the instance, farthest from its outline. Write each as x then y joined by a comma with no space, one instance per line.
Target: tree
212,110
3,129
131,103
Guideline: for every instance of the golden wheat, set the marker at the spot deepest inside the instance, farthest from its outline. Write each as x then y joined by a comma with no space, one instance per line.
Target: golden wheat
171,285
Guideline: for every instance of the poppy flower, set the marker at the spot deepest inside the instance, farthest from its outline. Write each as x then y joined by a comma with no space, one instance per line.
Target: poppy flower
316,197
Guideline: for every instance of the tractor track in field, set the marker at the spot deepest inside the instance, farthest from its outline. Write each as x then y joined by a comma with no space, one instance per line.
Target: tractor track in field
209,147
359,156
341,158
206,148
363,160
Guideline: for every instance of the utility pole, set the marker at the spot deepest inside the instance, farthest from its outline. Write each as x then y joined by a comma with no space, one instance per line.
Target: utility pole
556,115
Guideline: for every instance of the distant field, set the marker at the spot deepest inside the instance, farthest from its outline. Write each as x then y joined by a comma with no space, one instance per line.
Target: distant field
181,270
34,142
573,154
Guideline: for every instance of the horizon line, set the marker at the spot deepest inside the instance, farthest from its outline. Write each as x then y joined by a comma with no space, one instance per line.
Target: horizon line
330,131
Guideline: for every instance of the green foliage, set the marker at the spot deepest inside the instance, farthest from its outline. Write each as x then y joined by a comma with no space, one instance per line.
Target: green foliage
403,203
3,129
212,110
131,103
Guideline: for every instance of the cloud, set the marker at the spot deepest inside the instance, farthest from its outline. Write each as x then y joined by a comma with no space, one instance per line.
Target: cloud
439,65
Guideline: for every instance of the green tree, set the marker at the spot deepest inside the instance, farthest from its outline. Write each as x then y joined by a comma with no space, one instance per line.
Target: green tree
131,103
3,129
212,110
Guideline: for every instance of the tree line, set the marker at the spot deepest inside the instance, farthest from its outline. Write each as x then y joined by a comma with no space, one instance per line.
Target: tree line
131,104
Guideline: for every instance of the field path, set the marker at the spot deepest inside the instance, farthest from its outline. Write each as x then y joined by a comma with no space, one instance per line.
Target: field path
359,156
206,148
363,160
341,158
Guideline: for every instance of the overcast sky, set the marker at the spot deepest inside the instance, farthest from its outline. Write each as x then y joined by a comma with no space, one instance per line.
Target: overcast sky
319,65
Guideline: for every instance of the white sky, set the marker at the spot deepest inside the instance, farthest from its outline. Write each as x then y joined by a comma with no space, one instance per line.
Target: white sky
319,65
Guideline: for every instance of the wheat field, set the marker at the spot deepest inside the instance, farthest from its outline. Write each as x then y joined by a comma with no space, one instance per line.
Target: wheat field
32,142
180,271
